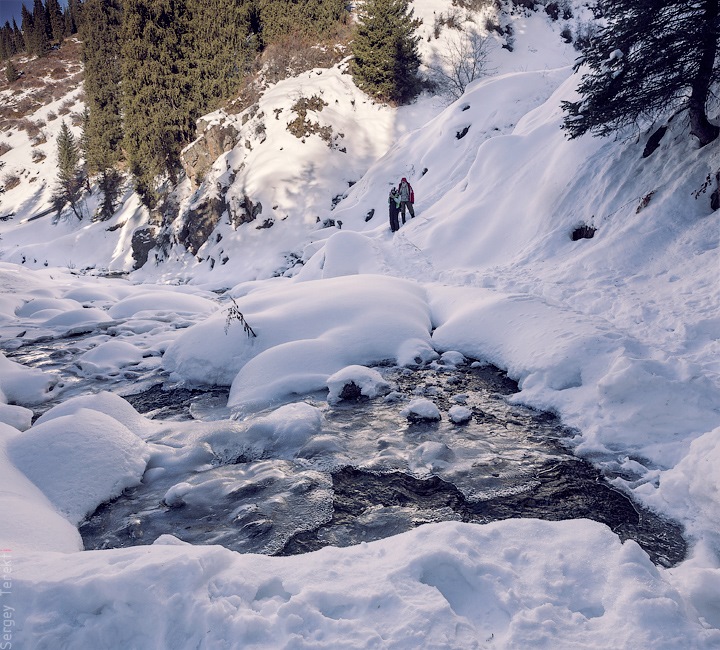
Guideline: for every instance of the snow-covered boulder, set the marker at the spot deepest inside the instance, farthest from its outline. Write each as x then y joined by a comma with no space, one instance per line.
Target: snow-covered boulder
80,461
420,410
354,381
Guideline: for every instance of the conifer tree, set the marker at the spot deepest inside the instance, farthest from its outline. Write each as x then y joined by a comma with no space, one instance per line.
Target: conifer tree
157,95
219,47
27,29
7,41
385,51
40,31
11,72
103,132
56,20
311,18
19,41
71,177
652,55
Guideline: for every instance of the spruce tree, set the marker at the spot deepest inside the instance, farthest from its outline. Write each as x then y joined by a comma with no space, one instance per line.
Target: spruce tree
103,132
40,31
157,95
56,20
71,177
308,18
27,29
11,72
219,48
7,41
19,41
385,51
653,55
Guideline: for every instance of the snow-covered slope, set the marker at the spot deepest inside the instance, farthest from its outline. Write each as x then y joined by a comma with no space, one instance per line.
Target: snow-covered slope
619,334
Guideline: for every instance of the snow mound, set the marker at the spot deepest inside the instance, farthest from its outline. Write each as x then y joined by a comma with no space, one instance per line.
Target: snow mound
36,524
421,409
161,301
80,461
22,385
103,402
306,331
366,381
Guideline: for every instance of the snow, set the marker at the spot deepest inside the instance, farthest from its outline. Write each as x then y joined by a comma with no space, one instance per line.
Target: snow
519,583
80,461
368,381
421,409
618,335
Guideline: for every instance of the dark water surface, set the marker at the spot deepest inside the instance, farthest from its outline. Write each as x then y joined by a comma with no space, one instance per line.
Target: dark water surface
370,474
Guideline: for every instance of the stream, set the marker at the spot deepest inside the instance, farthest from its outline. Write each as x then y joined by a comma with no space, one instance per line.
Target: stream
367,474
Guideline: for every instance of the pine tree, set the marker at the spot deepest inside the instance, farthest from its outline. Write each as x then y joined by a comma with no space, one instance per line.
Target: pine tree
219,47
157,99
11,72
103,132
28,29
56,20
40,31
19,41
652,56
385,51
309,18
71,177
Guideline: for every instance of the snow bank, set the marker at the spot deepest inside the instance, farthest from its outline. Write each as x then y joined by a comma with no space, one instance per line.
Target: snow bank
103,402
161,301
80,461
511,584
31,521
22,385
306,331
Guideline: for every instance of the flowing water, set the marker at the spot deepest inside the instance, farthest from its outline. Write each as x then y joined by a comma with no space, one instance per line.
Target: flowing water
368,473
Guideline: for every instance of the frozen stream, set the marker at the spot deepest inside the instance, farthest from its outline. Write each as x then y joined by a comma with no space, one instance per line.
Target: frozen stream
366,473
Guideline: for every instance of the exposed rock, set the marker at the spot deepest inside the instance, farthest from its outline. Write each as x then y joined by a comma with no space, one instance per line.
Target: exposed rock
200,222
583,232
198,157
246,212
143,241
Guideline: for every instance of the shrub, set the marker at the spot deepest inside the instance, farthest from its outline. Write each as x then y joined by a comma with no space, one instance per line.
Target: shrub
10,181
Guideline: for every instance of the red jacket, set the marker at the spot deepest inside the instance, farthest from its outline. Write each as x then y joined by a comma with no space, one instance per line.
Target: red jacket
411,192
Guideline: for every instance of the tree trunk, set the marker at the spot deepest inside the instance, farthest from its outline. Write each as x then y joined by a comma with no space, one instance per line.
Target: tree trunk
700,127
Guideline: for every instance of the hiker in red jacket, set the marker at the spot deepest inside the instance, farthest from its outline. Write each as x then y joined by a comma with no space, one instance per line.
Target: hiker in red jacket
407,198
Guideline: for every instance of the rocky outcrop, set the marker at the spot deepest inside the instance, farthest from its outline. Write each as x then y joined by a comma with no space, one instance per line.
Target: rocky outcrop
197,158
143,241
200,222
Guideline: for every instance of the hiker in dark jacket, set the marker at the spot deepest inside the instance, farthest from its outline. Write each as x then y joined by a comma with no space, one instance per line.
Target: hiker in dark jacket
407,198
394,209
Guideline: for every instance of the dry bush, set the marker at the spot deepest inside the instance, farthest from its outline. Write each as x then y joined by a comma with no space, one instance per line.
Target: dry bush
77,119
293,54
33,129
10,181
38,156
66,106
39,139
4,148
51,116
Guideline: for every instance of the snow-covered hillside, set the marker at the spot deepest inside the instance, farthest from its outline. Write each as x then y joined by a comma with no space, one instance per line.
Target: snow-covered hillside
618,334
